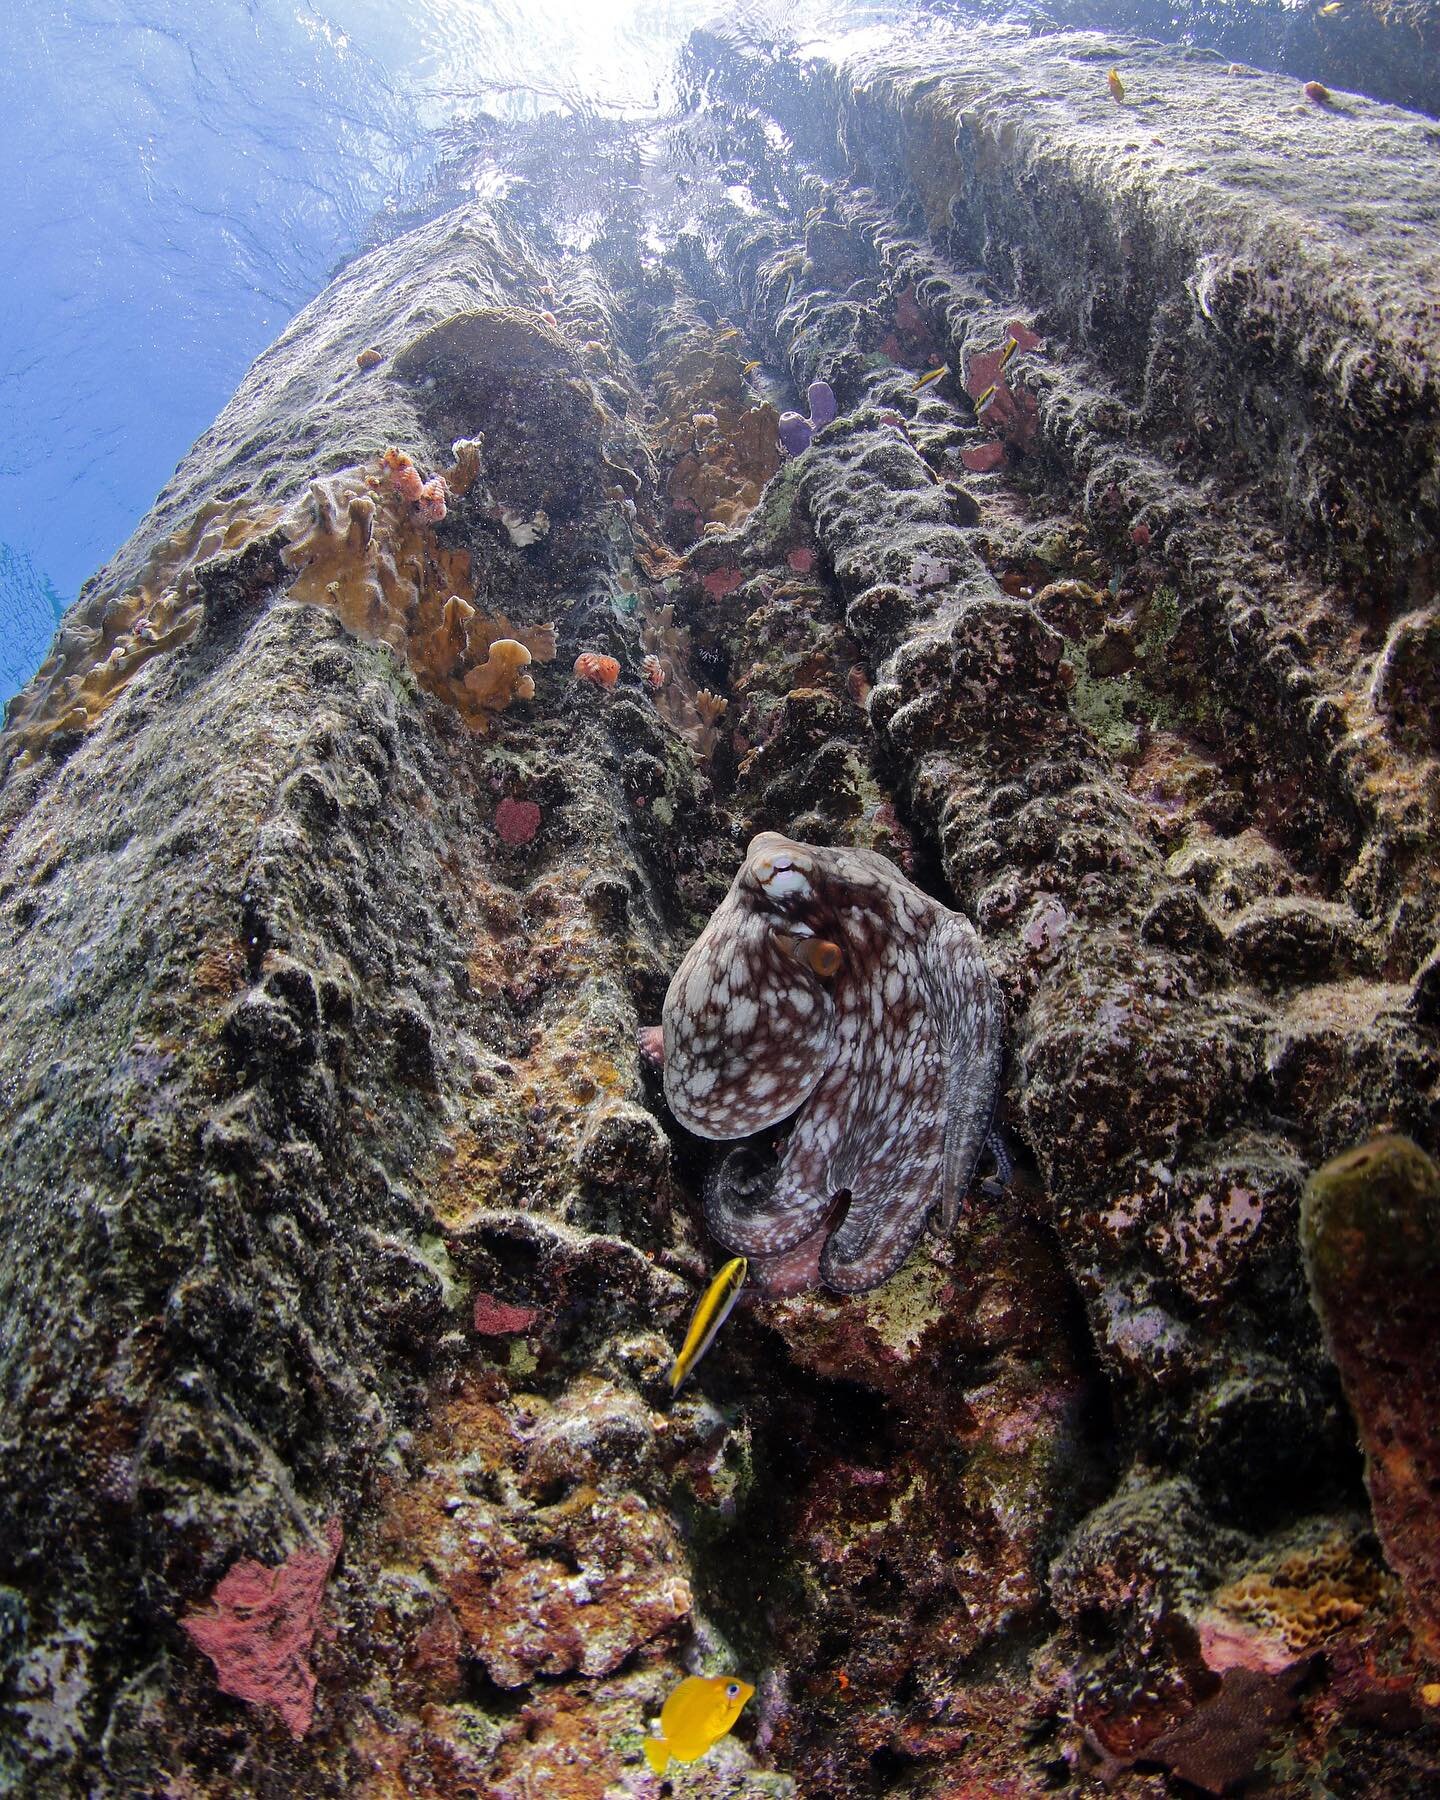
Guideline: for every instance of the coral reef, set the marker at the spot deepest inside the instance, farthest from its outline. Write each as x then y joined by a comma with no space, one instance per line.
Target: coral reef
720,440
109,638
368,556
341,1193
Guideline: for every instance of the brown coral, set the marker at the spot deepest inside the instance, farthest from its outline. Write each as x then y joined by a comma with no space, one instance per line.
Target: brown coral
725,448
1370,1233
106,640
501,678
367,555
693,712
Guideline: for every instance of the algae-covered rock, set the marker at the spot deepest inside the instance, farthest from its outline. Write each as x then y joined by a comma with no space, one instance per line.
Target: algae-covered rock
1370,1230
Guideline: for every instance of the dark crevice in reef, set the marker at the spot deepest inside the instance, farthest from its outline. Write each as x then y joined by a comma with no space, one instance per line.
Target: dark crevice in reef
345,1218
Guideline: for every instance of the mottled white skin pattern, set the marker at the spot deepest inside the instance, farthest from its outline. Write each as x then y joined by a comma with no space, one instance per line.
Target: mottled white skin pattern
890,1065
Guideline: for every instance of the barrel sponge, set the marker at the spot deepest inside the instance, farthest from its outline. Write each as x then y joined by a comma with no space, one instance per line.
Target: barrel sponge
1370,1234
512,376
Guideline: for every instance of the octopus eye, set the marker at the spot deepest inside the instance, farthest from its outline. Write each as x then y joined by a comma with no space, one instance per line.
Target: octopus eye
781,875
823,956
818,954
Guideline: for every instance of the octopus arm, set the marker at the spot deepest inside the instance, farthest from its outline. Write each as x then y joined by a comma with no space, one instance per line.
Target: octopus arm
882,1225
759,1208
967,1007
889,1154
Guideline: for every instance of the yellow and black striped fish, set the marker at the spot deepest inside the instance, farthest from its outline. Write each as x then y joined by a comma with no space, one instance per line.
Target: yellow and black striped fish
708,1317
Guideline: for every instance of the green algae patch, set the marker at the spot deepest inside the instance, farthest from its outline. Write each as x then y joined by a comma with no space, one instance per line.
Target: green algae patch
769,526
904,1309
1100,702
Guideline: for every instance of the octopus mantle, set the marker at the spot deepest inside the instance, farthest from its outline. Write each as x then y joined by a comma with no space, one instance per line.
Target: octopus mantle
828,987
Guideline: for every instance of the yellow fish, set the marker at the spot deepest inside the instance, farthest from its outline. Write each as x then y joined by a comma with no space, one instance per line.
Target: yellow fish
934,375
751,367
1116,86
697,1715
1011,346
1329,12
705,1323
985,398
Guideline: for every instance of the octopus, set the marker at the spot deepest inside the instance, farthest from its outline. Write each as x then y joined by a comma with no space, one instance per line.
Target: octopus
830,992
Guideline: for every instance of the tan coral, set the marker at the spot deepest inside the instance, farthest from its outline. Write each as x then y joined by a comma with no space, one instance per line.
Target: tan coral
362,550
446,646
501,678
107,639
468,454
692,712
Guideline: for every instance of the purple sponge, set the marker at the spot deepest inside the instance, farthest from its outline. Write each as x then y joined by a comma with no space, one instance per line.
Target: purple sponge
822,404
795,433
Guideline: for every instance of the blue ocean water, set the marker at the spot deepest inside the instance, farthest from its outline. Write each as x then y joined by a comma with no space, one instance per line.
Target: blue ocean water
182,176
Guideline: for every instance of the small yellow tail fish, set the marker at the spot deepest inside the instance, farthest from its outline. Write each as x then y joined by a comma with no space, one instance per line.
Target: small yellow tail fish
705,1323
697,1715
1011,346
1329,12
751,367
986,398
934,375
1116,86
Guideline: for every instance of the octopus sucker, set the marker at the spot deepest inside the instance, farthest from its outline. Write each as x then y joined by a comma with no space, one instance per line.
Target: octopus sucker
828,990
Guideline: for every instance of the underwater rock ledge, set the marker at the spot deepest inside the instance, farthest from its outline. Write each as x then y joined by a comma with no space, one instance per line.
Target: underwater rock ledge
378,786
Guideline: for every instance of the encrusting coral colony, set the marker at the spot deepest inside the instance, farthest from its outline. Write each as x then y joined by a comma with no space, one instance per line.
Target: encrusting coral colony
373,794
